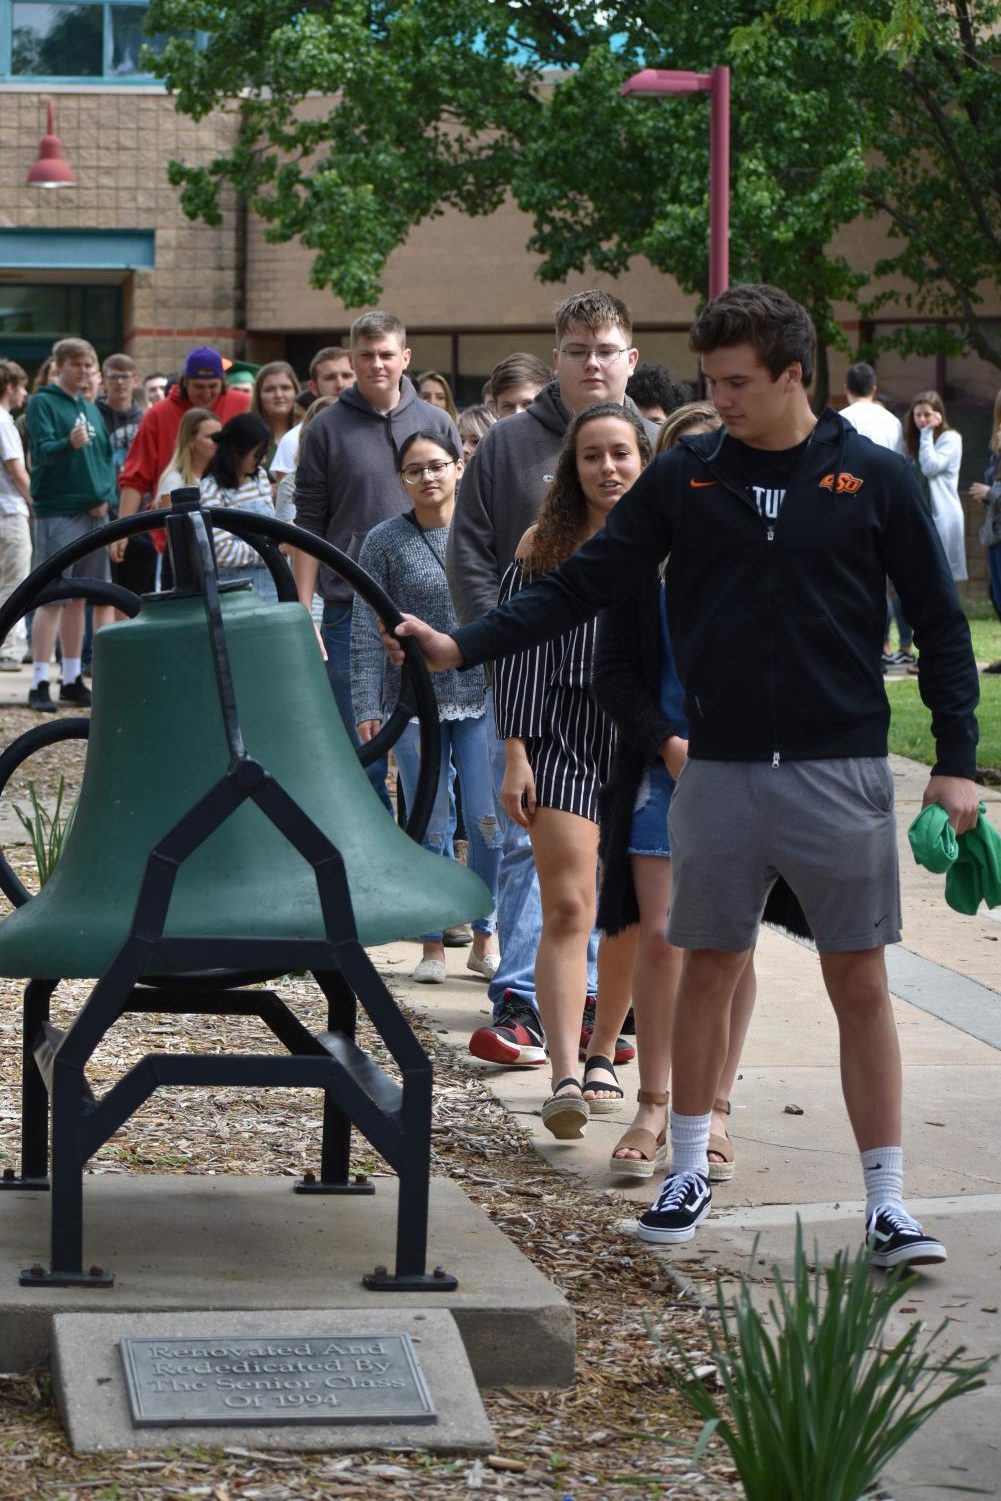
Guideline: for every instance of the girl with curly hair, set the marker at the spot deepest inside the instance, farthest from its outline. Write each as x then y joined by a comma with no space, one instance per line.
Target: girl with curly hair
558,750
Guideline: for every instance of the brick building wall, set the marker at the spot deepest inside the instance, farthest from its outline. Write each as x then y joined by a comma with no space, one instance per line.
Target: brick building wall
118,142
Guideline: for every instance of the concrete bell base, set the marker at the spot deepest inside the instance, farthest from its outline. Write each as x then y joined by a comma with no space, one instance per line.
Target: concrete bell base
204,1243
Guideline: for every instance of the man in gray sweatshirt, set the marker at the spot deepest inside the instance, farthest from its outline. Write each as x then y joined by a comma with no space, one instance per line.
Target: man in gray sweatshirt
504,484
346,482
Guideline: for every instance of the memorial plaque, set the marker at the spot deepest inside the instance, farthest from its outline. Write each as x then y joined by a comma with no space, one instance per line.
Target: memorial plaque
275,1379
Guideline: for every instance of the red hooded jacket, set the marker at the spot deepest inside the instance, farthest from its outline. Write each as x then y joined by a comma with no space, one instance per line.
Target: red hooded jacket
154,442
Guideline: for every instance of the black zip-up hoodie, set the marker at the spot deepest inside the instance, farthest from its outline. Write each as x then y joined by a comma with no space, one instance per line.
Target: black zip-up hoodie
777,626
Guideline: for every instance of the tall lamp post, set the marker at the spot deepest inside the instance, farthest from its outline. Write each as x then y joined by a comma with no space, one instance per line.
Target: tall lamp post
655,81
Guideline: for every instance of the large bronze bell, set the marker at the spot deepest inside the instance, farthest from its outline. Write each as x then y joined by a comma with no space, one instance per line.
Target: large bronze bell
225,830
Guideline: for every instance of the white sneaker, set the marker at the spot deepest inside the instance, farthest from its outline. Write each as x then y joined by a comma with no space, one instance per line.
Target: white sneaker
431,972
9,664
487,966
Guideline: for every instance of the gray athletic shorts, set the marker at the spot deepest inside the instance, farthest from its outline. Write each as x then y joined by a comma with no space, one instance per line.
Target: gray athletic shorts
53,533
828,827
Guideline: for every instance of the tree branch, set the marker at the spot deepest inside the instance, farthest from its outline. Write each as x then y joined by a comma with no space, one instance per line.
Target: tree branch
972,323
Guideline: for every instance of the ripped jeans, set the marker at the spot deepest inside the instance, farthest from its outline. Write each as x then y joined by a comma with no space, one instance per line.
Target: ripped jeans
466,741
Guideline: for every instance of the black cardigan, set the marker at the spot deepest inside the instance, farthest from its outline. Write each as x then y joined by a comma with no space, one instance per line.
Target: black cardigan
625,683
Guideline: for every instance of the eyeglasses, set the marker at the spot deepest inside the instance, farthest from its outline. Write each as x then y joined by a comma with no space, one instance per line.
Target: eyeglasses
605,354
414,473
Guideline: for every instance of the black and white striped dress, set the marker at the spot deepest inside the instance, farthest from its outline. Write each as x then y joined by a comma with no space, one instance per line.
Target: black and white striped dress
542,697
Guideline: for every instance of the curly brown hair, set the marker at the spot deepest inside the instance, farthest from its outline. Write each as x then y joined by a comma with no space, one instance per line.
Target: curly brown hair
561,525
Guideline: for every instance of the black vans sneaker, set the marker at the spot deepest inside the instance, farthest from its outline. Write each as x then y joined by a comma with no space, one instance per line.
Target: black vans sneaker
75,693
39,700
683,1203
895,1239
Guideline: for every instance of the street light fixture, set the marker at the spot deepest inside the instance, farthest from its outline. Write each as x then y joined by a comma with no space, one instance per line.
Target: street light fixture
656,81
51,169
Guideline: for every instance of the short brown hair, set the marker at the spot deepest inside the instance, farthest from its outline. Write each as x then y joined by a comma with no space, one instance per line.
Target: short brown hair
124,363
72,349
332,352
593,311
778,328
518,369
374,325
11,374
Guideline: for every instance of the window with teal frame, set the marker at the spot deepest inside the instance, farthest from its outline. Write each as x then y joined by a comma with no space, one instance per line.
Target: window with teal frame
74,41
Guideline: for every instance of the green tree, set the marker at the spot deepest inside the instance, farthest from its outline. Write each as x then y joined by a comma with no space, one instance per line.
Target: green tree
924,90
433,100
935,119
634,178
840,108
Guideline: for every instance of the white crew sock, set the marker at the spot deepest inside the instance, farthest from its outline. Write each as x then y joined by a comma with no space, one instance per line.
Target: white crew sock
883,1170
71,669
690,1143
39,673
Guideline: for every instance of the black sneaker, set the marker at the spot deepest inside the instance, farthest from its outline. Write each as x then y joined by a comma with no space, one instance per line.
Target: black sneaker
75,693
624,1051
683,1203
514,1038
895,1239
38,698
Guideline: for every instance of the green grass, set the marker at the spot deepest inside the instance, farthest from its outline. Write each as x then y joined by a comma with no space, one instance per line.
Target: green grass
910,725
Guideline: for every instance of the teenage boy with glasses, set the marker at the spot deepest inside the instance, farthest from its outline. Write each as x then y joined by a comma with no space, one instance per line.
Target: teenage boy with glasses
504,484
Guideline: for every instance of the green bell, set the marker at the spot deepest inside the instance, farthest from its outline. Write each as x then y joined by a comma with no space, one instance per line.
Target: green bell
157,745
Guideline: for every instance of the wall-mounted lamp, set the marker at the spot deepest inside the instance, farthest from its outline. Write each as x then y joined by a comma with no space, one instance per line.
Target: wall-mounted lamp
51,169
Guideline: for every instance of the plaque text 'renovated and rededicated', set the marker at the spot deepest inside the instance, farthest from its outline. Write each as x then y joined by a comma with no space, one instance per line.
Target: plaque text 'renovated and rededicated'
274,1380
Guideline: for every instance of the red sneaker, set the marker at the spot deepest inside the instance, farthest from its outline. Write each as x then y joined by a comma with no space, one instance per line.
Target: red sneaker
514,1039
624,1051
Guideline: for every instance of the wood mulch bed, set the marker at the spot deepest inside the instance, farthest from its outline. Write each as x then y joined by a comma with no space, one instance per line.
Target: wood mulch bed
619,1431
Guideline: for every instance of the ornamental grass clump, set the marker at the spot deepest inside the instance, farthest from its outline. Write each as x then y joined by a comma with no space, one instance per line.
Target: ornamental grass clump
813,1398
47,831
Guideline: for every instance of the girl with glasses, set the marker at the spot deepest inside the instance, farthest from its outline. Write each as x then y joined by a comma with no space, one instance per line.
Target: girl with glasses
406,555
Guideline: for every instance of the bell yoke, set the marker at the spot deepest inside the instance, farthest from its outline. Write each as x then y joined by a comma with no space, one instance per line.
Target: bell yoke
213,848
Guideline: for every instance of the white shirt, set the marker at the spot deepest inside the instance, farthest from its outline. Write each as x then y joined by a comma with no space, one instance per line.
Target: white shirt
12,502
287,452
875,421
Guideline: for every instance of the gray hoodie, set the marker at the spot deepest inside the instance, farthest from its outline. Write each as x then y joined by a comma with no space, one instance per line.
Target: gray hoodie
504,484
346,480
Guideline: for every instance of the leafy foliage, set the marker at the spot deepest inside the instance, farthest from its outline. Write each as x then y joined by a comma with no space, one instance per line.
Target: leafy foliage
841,108
819,1395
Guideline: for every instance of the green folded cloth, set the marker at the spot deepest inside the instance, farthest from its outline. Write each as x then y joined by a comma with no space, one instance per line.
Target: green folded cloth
972,862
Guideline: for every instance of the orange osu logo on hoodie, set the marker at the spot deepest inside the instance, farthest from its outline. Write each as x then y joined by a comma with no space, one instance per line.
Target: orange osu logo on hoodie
847,484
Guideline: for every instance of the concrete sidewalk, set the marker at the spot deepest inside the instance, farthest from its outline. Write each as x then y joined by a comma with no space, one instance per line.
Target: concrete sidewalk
946,980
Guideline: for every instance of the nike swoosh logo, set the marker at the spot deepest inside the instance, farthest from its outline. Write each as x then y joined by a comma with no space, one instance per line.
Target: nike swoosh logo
701,484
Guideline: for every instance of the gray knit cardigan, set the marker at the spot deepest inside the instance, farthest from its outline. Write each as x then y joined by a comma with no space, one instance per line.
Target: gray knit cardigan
409,564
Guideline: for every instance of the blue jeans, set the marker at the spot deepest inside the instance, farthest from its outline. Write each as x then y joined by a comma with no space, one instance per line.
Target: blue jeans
519,906
466,740
336,632
894,612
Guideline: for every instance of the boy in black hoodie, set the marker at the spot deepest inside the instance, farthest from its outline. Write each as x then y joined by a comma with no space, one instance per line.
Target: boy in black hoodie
781,532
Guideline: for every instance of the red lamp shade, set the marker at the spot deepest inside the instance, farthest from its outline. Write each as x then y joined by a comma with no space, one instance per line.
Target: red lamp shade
51,169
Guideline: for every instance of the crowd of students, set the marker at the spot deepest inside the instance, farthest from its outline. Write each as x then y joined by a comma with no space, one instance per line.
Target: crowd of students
568,757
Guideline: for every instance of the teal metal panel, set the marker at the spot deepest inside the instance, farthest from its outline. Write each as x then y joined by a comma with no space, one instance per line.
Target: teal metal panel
77,249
